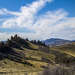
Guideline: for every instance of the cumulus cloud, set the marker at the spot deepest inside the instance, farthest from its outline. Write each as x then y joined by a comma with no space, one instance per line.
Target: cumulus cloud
4,11
51,24
26,16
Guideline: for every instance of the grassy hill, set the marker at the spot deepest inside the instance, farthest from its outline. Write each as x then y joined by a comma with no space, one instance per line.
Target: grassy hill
19,54
67,48
65,52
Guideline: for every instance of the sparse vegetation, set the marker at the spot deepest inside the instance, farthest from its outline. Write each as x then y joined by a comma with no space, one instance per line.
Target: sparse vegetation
19,54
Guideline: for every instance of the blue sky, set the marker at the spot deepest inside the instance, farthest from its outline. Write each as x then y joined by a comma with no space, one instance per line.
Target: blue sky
31,18
14,5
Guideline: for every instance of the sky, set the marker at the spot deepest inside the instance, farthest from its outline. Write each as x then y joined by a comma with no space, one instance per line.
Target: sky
37,19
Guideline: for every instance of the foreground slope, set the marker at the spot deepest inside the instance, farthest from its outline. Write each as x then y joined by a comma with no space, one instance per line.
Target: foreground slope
18,54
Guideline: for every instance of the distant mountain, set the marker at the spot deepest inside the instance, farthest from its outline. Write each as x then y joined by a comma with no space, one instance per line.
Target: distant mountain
73,40
56,41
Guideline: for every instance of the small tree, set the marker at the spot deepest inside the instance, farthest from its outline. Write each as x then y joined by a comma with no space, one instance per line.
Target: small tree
27,39
15,37
12,38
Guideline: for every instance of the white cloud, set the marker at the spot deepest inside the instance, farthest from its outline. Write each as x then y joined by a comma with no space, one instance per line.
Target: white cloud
51,24
26,16
4,11
4,36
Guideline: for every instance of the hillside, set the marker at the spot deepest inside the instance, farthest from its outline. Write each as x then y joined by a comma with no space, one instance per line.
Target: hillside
18,55
67,51
68,48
